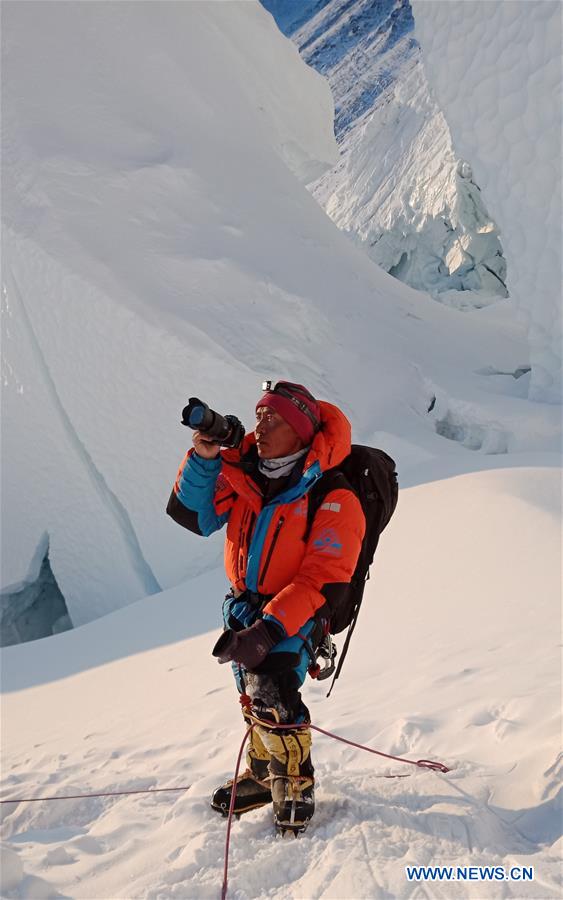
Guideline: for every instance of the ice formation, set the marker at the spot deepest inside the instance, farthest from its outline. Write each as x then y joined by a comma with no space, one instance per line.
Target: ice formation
397,190
496,70
158,245
129,178
35,608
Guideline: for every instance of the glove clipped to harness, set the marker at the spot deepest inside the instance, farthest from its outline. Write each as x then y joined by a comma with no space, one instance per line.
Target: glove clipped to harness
250,646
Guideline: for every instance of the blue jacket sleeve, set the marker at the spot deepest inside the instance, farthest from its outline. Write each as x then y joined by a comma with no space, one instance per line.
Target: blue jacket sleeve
195,489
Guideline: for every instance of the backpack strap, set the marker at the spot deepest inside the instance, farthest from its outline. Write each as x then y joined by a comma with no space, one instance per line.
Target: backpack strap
346,644
330,481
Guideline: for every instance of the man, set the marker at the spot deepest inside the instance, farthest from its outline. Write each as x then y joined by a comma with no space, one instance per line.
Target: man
284,584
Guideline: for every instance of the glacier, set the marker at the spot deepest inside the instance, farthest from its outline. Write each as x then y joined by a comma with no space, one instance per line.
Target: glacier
398,190
120,246
160,241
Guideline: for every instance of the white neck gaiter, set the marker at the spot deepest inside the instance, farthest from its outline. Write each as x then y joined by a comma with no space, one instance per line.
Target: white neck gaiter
277,468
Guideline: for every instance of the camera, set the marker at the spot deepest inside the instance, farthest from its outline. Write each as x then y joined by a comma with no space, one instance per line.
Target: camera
227,431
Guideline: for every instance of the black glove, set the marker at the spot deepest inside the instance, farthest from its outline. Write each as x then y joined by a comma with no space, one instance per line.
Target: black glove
249,646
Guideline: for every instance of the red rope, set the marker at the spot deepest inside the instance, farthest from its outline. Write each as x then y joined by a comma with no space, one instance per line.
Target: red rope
105,794
245,703
421,763
230,817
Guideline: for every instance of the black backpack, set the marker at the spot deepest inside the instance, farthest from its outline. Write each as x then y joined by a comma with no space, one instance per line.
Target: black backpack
371,475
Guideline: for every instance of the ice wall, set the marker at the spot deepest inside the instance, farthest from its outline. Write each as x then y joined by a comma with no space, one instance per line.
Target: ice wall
139,144
34,609
398,190
496,70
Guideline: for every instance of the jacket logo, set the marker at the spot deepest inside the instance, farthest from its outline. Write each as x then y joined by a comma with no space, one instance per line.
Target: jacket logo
328,542
221,483
300,509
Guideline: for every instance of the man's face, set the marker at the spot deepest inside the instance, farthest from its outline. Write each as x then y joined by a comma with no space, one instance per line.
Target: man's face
274,436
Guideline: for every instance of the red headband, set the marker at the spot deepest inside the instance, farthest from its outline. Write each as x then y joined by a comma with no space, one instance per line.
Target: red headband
297,406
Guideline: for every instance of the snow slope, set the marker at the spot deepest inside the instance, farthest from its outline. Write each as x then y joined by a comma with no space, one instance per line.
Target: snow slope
455,659
157,245
496,70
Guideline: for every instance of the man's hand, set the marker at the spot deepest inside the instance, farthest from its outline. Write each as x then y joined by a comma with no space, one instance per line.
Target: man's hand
205,446
250,646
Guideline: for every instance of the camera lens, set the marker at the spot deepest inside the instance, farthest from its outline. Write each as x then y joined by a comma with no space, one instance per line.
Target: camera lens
224,430
196,416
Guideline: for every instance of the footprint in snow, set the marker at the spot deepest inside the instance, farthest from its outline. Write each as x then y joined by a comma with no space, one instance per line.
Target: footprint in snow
452,677
493,716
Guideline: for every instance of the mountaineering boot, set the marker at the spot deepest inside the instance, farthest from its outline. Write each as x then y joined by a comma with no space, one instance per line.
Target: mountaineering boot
294,803
252,793
253,785
292,776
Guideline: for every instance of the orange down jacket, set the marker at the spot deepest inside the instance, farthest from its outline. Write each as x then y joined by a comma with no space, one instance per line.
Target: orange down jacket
265,550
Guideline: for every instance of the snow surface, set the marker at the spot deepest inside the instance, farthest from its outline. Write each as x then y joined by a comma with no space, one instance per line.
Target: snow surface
455,659
496,70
